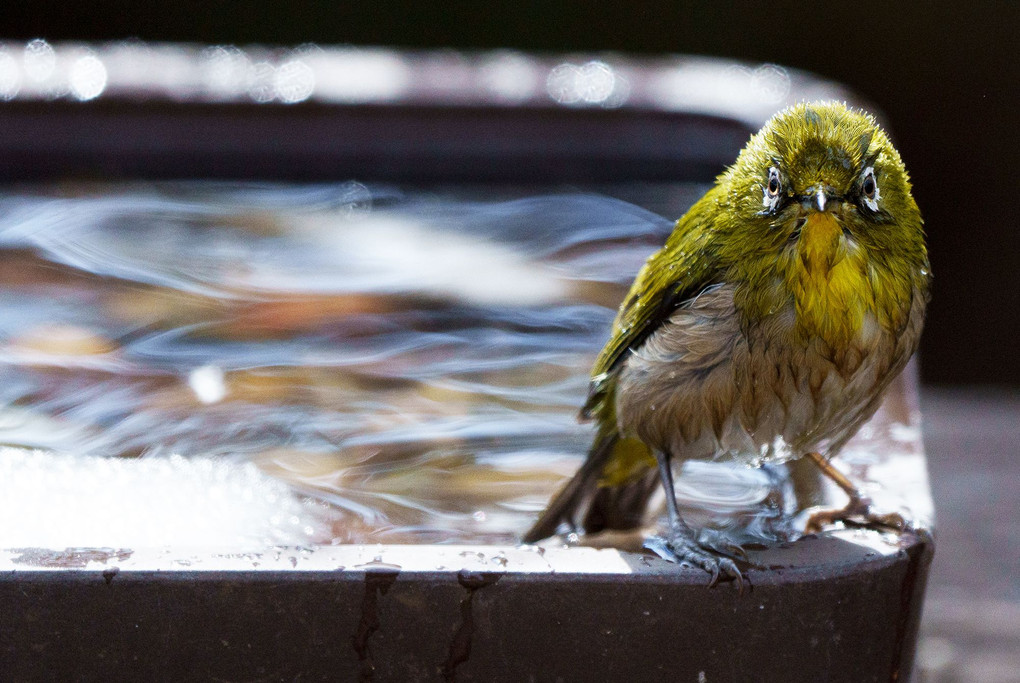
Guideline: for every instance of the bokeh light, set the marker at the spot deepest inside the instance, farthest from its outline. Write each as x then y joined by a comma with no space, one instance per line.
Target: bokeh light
294,82
592,83
275,76
261,87
10,76
510,76
225,71
87,78
360,75
39,60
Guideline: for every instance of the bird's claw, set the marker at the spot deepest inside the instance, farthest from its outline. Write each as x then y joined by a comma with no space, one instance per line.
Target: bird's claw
718,543
858,512
679,547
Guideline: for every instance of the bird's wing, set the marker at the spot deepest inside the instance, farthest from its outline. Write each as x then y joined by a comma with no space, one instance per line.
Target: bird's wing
676,273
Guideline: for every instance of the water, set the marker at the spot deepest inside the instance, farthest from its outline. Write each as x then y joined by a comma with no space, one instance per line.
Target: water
411,360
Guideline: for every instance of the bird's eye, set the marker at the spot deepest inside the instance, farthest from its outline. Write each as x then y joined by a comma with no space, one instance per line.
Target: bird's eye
771,193
869,185
775,186
869,189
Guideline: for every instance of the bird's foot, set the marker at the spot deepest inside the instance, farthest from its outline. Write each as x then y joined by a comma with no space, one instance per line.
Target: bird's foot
719,543
857,512
679,545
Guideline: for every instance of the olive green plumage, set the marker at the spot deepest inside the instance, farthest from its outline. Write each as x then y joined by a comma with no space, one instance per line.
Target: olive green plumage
770,322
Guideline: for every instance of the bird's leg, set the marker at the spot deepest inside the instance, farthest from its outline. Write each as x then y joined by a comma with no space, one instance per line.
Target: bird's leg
680,543
859,505
666,475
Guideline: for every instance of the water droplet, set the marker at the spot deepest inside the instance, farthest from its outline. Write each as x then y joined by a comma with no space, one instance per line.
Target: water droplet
208,383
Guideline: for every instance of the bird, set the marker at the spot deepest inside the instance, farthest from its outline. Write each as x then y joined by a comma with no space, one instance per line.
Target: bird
765,330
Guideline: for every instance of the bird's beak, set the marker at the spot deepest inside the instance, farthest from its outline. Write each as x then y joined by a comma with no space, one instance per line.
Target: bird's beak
820,198
820,229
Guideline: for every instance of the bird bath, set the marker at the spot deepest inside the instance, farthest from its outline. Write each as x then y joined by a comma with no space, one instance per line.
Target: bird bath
290,418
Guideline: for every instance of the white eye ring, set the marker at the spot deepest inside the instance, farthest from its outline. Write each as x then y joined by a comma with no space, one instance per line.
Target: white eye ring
870,197
772,189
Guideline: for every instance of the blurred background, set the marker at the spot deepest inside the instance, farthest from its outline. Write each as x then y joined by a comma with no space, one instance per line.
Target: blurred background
944,74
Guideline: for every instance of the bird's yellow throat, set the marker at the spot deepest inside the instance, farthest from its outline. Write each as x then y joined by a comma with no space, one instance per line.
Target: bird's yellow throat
830,282
818,244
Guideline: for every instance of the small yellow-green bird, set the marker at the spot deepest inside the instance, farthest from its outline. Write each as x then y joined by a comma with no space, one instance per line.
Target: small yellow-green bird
766,329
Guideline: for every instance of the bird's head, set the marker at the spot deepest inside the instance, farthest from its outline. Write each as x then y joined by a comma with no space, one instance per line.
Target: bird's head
821,212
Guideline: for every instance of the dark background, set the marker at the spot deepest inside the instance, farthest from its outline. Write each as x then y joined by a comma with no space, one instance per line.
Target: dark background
945,74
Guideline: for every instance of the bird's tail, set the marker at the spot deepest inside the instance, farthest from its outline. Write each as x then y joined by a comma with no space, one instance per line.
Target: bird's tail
609,491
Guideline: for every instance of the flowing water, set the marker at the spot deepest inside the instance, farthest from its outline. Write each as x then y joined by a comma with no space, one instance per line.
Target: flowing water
412,359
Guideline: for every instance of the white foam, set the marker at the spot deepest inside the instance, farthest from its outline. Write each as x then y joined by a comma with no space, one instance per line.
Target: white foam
62,500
